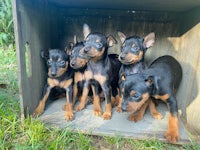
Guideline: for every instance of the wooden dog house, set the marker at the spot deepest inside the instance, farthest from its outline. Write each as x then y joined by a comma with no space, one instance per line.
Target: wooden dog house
43,24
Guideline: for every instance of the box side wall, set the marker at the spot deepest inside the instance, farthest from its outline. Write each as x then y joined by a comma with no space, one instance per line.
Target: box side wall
32,34
189,56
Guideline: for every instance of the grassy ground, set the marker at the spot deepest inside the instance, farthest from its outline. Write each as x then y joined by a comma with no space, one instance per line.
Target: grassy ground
32,134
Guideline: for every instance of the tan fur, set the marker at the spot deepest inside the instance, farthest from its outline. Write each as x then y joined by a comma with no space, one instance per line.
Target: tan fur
83,99
108,111
164,97
134,58
172,134
134,106
101,79
69,112
139,115
78,77
153,111
52,82
66,83
88,75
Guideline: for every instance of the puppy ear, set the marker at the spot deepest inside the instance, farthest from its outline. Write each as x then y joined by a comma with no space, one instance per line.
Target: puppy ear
123,77
149,40
44,54
69,47
152,80
122,36
86,30
111,41
149,81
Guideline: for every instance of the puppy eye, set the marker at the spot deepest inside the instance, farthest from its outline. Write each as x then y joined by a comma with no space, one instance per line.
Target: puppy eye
49,62
84,42
135,48
61,63
123,47
99,45
136,96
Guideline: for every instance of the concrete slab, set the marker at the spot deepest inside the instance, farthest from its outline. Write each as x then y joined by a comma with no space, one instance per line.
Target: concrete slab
85,122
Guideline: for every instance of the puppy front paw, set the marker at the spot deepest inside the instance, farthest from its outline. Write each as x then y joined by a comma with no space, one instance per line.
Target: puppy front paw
172,136
157,115
135,117
69,115
106,116
80,107
39,110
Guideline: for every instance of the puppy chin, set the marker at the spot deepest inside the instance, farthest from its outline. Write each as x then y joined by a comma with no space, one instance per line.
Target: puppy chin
125,62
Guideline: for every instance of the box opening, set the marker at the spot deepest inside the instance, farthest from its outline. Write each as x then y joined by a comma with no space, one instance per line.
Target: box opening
53,23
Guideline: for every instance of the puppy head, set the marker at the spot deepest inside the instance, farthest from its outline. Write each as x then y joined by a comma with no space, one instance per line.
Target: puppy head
137,90
57,62
96,44
78,60
134,47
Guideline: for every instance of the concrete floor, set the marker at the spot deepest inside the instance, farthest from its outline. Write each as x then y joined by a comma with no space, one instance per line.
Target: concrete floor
85,122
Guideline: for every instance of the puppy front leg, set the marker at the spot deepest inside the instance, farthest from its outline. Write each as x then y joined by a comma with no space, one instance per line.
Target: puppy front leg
172,134
153,110
108,108
69,104
97,107
84,96
40,108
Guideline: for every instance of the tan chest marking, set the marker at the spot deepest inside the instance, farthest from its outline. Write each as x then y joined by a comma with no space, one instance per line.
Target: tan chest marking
63,84
66,83
78,77
101,79
52,82
88,75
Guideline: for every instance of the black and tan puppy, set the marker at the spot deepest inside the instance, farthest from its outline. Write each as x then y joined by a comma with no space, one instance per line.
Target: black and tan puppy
100,68
60,75
132,55
159,81
79,62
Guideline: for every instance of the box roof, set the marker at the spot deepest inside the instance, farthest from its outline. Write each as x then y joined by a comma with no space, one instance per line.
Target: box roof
152,5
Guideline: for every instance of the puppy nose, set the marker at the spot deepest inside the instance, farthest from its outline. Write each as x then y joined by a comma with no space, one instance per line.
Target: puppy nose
86,49
122,56
124,106
53,74
72,63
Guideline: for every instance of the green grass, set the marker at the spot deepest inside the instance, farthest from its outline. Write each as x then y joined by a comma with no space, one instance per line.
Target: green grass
33,134
6,23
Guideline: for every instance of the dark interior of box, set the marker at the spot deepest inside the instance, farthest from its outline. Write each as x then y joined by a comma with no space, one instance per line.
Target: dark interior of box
60,20
52,24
